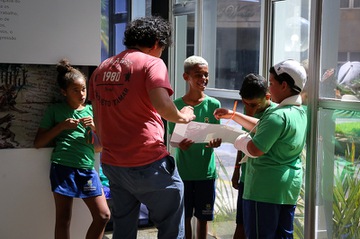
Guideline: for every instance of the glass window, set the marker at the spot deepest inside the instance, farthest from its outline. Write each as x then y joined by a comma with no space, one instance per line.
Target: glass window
104,29
356,3
120,6
237,52
290,35
237,42
338,125
232,52
114,17
338,182
341,75
119,36
355,56
343,56
344,3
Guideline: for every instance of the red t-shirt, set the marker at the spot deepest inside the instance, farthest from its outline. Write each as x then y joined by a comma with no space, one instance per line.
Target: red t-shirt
131,131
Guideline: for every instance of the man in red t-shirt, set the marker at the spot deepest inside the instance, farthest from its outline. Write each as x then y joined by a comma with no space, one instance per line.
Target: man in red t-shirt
130,94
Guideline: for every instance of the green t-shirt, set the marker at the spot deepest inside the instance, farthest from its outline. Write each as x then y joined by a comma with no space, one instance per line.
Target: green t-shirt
198,162
258,116
276,176
71,147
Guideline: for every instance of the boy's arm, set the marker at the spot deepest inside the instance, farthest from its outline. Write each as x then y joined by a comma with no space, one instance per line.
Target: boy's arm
236,174
246,145
97,144
246,121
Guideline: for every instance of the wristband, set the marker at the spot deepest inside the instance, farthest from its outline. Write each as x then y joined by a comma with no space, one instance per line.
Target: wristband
237,166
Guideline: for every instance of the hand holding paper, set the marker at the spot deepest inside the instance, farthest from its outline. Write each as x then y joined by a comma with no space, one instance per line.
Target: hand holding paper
184,144
203,133
214,143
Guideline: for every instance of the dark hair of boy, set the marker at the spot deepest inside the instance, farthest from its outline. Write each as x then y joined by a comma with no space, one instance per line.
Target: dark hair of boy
254,86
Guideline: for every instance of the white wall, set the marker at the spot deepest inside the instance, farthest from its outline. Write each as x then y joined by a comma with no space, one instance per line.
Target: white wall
26,203
43,32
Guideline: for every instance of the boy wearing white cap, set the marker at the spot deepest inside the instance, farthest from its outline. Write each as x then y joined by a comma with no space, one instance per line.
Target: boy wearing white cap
274,168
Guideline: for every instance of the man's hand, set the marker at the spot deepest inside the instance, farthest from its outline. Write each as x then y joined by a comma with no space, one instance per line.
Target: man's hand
188,112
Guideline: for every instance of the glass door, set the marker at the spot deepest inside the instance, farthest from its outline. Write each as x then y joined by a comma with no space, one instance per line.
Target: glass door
184,42
338,126
227,35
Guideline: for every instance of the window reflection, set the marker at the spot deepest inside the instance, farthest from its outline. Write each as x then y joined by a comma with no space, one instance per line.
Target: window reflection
104,29
344,84
290,33
237,42
348,81
338,181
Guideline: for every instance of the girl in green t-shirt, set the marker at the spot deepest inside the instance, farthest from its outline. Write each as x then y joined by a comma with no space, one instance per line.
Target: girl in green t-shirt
70,129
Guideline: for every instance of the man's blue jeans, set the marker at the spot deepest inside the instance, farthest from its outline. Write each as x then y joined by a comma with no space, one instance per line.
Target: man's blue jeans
158,186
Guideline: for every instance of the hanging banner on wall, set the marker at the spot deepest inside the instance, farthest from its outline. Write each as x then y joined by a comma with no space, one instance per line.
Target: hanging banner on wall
43,32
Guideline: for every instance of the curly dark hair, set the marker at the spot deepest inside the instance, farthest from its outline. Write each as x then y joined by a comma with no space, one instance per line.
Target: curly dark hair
146,31
67,74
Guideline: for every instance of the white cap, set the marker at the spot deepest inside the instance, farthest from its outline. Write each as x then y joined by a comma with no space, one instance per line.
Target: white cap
295,70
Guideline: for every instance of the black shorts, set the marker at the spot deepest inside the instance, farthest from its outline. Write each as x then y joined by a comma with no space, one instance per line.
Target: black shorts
239,209
199,197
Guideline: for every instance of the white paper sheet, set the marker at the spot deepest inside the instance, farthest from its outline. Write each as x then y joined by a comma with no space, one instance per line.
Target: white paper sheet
203,133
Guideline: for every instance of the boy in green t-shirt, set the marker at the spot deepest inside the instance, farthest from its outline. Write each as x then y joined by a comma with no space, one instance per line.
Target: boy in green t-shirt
274,169
255,97
196,162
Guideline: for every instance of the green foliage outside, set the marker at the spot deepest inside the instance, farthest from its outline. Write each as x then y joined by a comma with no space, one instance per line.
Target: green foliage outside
346,189
346,210
225,203
350,129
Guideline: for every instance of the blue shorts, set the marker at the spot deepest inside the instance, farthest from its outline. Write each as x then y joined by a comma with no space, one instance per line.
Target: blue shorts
268,220
74,182
239,208
199,198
